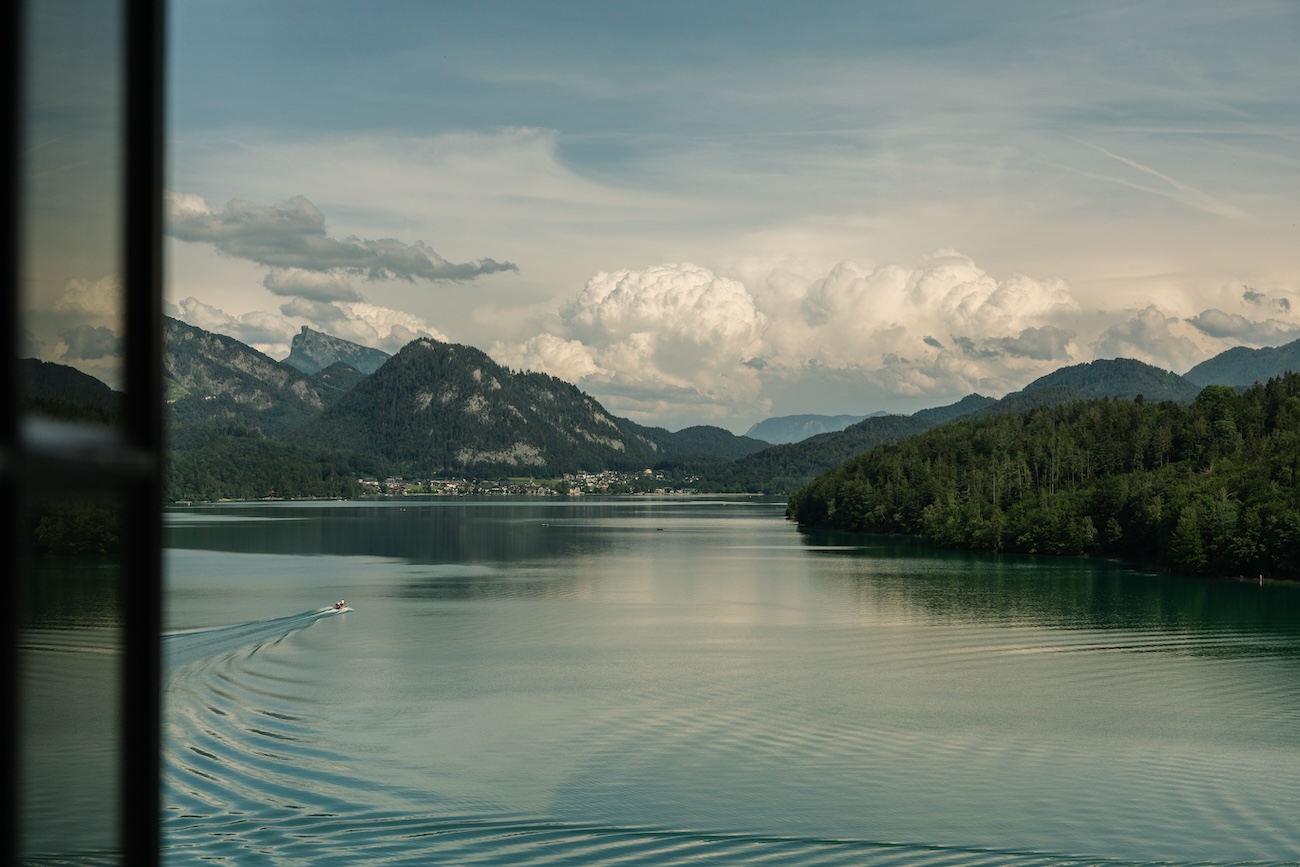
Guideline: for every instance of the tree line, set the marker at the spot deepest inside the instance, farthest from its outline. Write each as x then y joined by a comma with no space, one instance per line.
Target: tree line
1207,488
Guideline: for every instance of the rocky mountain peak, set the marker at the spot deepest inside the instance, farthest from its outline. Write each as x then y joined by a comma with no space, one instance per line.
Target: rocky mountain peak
313,351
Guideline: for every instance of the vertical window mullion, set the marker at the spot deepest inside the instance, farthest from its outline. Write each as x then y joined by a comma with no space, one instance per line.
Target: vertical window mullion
142,551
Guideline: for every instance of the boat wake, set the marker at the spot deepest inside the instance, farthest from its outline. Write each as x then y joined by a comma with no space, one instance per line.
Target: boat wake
252,775
184,648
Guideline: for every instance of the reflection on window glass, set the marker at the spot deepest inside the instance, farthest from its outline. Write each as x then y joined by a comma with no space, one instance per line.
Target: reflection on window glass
71,293
70,329
69,659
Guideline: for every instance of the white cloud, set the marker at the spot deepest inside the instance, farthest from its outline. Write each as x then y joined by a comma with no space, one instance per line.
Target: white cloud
680,339
676,333
1151,336
684,303
381,327
569,360
265,332
944,327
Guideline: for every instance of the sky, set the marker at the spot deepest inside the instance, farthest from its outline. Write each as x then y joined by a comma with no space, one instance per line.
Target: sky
715,213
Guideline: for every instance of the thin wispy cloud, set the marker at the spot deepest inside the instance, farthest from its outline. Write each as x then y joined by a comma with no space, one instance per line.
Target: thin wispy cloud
1174,189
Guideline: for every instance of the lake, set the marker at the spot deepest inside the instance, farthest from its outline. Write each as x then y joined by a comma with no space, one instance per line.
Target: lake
686,680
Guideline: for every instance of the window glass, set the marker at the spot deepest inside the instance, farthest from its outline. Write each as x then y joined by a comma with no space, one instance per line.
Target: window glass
70,329
71,179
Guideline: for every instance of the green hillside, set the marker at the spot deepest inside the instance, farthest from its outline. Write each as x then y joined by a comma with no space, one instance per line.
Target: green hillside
1211,487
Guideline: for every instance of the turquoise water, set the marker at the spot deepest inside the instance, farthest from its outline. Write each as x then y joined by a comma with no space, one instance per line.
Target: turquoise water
684,680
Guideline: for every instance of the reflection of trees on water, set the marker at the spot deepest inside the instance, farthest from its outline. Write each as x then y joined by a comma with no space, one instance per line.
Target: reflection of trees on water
456,532
461,533
467,585
72,592
1068,593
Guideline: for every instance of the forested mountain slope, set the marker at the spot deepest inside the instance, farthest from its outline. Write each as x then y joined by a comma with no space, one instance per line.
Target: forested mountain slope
1116,377
1211,487
440,407
1242,366
784,468
787,467
215,379
61,392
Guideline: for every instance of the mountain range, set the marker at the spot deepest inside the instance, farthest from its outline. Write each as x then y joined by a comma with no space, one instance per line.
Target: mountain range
212,379
439,407
432,407
451,407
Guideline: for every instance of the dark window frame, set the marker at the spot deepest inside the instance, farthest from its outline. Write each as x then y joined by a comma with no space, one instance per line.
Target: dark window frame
129,463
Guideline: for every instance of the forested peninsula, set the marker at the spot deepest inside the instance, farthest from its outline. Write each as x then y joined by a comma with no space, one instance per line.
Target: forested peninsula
1206,488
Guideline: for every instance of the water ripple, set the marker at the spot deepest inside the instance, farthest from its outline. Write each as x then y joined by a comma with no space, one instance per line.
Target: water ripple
250,777
389,839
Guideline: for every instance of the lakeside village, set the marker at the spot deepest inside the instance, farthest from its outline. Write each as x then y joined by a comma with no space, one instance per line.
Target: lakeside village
569,484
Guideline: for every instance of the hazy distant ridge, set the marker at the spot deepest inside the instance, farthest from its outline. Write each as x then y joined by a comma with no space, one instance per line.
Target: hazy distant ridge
793,428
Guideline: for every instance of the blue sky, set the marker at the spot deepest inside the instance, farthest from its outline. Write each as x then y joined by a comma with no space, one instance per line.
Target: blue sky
719,212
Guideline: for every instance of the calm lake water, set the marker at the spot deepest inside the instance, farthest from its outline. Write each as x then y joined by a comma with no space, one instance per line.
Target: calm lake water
682,681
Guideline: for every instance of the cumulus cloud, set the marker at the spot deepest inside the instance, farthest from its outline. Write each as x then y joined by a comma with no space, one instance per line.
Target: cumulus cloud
264,331
1217,323
357,321
675,327
681,335
945,294
691,303
569,360
1151,336
291,235
668,335
380,327
944,327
